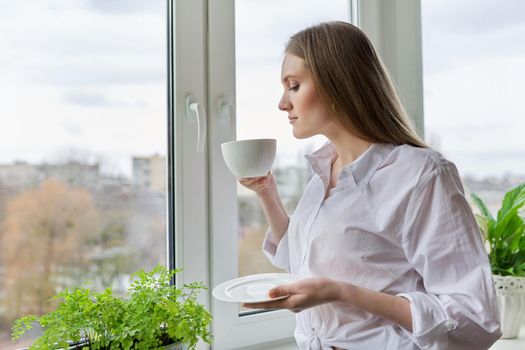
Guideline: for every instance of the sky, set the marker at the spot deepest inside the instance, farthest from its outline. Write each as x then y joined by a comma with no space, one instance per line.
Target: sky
474,66
82,80
86,79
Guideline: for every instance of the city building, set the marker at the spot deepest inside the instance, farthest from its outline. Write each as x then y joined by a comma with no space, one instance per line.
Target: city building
149,173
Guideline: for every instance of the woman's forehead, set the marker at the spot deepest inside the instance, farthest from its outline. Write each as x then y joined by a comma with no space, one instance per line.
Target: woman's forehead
293,66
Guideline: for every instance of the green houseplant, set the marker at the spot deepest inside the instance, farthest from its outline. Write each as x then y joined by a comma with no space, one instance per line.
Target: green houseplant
504,236
155,315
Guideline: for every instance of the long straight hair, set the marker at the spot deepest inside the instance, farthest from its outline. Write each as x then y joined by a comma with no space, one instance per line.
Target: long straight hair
353,83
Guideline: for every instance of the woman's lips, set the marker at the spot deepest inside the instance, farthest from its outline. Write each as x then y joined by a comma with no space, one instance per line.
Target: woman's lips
292,119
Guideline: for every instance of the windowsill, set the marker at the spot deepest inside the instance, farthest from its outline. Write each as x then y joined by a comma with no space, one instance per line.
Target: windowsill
502,344
511,344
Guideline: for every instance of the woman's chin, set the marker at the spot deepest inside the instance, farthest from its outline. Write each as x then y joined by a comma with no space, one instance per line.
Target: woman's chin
301,135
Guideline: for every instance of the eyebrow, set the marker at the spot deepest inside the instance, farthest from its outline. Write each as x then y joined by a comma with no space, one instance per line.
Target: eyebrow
288,76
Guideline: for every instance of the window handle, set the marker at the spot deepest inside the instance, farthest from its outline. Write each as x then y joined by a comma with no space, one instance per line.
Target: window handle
225,110
195,111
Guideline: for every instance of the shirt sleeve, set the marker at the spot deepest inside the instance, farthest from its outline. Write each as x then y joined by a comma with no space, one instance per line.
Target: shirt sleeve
442,242
277,254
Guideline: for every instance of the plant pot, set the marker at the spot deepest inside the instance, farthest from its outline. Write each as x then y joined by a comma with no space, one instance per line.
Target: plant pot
510,292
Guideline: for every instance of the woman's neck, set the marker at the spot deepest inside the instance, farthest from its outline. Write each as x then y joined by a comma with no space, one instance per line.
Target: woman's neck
348,147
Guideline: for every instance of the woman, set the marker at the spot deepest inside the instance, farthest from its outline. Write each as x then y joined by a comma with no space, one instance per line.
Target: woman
387,244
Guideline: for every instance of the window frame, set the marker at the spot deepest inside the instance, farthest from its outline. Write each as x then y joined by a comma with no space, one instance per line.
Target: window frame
202,205
187,187
230,329
394,27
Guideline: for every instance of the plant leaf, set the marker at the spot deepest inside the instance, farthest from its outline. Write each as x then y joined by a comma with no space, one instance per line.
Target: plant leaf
521,270
517,236
481,206
513,200
507,225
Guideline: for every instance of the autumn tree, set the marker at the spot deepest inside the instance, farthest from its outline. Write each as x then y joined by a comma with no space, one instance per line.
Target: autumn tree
42,247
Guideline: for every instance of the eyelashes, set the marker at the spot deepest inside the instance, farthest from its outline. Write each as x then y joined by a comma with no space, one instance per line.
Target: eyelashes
294,88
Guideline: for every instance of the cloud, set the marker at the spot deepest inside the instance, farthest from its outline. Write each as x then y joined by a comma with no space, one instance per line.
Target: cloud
109,56
72,128
263,27
83,98
126,6
473,17
90,99
78,73
482,161
462,32
109,7
488,128
475,109
481,155
62,43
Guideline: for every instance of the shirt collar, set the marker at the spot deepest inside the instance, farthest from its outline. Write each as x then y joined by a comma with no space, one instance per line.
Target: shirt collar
321,161
362,169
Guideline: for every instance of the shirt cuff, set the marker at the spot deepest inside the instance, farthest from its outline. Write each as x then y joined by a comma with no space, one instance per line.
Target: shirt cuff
277,254
430,323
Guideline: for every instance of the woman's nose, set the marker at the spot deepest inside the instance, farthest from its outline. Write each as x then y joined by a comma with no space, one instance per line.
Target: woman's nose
284,104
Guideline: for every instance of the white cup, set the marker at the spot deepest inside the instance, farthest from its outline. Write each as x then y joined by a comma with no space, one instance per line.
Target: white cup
249,158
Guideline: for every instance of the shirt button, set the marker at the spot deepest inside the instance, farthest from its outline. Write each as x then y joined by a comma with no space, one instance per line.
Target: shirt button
343,172
450,325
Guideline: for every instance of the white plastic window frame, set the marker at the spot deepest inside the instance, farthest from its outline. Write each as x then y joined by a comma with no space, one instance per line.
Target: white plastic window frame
230,328
203,213
187,180
394,27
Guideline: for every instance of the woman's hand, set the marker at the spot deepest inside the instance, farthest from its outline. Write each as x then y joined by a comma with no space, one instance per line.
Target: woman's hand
276,215
302,295
260,185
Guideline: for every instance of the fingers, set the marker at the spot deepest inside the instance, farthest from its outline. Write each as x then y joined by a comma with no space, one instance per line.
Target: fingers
250,180
278,291
254,179
267,305
278,304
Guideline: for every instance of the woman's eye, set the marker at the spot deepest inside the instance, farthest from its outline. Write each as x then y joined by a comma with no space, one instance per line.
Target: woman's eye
295,87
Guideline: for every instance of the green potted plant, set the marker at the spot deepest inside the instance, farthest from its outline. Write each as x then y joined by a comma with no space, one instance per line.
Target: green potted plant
155,315
504,237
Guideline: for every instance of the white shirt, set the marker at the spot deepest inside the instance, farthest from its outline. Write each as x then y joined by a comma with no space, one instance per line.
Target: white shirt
397,222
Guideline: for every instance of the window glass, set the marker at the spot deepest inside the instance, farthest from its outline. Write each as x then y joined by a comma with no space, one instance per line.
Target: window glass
474,68
83,156
261,31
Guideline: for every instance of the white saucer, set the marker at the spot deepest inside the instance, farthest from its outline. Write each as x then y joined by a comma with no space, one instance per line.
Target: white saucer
253,288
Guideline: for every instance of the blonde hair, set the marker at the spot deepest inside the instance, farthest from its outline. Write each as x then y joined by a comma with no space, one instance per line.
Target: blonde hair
353,83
